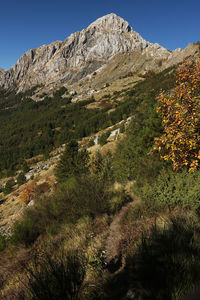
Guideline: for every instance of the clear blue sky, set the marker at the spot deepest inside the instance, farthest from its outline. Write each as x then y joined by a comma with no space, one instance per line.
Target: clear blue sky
29,24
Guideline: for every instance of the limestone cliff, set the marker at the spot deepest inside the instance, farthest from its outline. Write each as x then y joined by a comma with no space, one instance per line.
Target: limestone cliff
84,52
80,54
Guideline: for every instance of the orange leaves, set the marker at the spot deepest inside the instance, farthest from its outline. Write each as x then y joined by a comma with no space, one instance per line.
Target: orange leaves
28,192
180,112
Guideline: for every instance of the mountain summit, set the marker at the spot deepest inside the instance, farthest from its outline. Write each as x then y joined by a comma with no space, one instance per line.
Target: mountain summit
81,54
111,22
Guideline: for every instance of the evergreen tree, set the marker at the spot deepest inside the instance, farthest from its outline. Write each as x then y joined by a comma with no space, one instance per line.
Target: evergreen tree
25,167
21,178
8,187
72,162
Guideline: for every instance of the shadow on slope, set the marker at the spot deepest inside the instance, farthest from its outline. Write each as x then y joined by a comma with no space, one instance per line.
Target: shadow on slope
165,265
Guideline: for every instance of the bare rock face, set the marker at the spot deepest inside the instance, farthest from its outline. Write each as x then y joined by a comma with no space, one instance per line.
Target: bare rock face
178,55
80,54
1,71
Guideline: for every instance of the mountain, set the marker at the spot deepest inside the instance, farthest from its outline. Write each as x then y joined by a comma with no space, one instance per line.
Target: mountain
80,54
87,51
1,71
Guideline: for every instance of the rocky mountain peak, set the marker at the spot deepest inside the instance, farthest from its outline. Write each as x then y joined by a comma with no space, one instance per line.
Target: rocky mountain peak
82,53
111,22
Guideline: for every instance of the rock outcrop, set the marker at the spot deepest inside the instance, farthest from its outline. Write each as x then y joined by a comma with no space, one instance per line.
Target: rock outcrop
82,53
1,71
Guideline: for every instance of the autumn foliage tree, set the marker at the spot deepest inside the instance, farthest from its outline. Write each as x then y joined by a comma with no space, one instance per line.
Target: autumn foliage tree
180,112
28,192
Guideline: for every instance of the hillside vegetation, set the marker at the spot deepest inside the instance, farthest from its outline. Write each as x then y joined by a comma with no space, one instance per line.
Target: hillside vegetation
117,225
38,127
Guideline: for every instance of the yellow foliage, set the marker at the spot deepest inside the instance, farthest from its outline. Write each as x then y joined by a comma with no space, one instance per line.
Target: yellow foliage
180,112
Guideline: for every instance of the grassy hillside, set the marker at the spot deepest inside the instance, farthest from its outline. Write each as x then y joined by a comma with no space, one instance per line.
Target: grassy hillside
124,226
30,128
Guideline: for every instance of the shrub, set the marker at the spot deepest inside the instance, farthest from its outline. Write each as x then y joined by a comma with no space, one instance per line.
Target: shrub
117,201
75,198
28,192
25,167
103,138
27,230
60,92
122,129
2,242
132,161
21,178
171,189
91,143
8,187
107,96
102,166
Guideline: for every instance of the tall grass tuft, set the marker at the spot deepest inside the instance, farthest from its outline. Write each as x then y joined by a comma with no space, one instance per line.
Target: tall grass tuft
56,278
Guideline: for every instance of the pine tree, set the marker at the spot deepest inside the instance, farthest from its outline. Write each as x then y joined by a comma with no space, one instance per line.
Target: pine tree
72,162
21,178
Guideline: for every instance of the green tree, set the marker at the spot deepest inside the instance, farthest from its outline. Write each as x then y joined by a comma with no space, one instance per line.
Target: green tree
21,178
73,162
103,138
25,167
8,187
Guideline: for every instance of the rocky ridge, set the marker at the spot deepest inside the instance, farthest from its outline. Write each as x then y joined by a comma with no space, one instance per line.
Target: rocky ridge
80,54
85,52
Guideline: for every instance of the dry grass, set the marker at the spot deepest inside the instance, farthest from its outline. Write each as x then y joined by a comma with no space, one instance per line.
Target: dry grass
12,208
12,276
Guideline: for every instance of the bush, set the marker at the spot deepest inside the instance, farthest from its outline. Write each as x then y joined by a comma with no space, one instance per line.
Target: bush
171,189
102,166
91,143
8,187
76,198
25,167
2,242
117,201
132,161
103,138
21,178
122,129
86,195
27,230
60,92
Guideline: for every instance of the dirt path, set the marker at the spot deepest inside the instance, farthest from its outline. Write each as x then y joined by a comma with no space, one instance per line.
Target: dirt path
114,236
